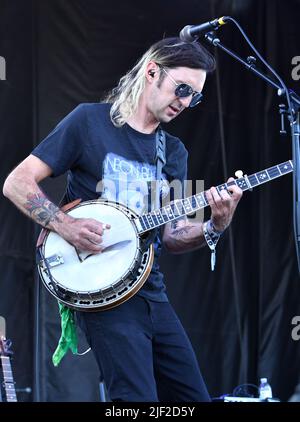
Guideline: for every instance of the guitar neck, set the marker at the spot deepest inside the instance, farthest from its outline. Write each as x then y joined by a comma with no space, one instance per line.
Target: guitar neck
181,207
8,382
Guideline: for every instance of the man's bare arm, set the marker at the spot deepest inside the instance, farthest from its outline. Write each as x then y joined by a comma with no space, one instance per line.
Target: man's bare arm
184,236
21,187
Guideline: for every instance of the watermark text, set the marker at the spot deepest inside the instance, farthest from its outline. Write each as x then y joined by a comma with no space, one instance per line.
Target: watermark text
296,68
296,330
2,69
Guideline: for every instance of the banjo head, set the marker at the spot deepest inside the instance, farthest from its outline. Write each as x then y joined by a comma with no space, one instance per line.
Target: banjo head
101,281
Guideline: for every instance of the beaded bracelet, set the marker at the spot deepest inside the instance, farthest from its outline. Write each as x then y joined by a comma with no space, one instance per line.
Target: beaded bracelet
212,230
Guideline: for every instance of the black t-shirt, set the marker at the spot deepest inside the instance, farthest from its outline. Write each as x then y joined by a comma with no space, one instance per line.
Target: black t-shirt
97,155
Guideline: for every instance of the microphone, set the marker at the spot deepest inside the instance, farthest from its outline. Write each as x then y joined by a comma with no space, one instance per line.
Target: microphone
191,32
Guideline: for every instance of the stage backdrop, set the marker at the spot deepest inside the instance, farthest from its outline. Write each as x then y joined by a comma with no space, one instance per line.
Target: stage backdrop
61,53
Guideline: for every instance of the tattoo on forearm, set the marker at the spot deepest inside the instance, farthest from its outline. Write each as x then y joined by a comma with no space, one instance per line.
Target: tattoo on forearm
182,230
41,208
174,224
183,238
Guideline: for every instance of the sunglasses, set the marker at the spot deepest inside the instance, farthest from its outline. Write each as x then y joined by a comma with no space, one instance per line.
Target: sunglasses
185,90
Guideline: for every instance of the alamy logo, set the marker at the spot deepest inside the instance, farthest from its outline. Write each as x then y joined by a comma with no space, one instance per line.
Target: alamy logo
127,182
296,330
133,184
2,69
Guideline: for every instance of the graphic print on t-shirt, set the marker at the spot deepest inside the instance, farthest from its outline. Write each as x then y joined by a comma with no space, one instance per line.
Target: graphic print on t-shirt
128,182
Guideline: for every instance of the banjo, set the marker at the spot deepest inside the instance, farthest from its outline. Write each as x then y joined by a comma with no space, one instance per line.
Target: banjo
95,282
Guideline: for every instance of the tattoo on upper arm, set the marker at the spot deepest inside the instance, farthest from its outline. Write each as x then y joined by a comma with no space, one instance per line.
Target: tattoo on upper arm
41,208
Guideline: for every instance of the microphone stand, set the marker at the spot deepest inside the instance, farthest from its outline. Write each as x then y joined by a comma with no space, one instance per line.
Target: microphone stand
293,116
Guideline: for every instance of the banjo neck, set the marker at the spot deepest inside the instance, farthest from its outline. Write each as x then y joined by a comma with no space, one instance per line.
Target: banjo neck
182,207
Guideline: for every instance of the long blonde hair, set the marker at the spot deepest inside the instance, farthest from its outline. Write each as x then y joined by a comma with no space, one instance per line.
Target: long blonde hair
169,52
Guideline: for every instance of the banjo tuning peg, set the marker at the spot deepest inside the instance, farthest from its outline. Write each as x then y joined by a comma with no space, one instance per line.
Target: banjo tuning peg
239,174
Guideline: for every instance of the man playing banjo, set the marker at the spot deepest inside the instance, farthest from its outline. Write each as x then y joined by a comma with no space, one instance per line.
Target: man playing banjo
140,345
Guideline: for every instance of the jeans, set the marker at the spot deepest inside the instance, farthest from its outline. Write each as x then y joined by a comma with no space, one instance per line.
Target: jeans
144,353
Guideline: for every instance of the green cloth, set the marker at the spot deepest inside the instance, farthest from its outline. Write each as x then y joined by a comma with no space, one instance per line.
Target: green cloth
68,339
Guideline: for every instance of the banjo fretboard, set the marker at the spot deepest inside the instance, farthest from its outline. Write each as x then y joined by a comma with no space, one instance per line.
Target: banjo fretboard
182,207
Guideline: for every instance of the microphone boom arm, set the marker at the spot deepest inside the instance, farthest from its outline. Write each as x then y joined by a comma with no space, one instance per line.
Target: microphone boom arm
294,118
212,39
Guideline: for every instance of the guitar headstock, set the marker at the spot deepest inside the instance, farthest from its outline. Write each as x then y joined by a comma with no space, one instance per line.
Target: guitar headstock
5,346
2,327
4,343
7,386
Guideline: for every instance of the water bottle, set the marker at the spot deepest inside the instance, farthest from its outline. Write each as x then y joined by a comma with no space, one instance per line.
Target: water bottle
265,390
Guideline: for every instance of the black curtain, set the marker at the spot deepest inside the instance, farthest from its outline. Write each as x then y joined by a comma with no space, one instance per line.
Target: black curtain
16,245
61,53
